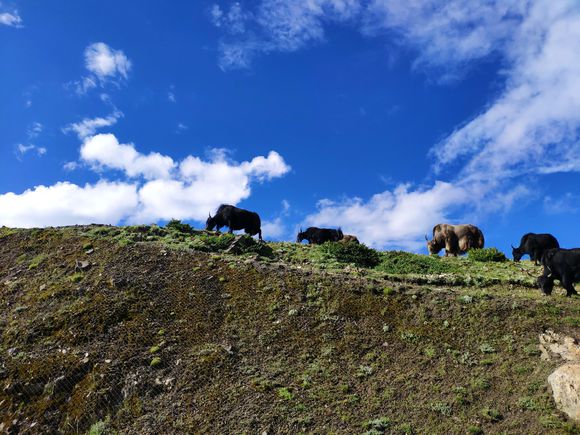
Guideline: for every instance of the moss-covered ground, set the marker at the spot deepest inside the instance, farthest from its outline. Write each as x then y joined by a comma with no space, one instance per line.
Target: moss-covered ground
171,330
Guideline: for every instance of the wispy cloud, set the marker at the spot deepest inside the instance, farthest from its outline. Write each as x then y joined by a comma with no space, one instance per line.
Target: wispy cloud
89,126
11,19
568,203
530,129
22,149
274,25
34,130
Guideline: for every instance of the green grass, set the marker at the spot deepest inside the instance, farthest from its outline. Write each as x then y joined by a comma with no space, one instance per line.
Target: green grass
36,261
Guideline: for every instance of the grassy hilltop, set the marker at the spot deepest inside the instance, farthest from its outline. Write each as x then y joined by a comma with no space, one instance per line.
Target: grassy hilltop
170,330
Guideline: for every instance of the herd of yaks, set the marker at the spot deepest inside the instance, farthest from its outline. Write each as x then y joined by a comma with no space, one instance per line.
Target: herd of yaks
559,264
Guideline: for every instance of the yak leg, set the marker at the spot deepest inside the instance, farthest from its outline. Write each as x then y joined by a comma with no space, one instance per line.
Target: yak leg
260,234
568,284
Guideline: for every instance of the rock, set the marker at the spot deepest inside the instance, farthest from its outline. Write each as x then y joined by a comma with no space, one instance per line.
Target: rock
42,287
565,384
81,265
554,346
565,380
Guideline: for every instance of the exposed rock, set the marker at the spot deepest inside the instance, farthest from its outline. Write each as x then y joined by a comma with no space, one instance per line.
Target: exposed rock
565,384
82,265
565,380
555,346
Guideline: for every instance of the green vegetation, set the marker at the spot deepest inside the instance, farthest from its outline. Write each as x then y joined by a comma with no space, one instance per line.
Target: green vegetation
36,261
487,255
177,226
399,262
353,253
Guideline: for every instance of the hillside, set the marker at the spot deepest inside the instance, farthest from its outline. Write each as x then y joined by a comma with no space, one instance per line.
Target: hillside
169,330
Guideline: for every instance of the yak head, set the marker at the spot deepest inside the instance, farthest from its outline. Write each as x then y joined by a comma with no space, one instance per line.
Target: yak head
210,223
517,253
546,284
301,236
433,246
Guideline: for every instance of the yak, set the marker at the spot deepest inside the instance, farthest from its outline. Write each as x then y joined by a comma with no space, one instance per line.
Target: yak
534,245
563,265
235,219
318,236
456,239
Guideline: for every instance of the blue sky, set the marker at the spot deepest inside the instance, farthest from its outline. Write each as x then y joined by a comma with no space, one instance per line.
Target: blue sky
382,117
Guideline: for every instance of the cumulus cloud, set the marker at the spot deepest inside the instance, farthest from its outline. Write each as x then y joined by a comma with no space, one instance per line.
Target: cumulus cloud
392,218
200,186
105,65
11,19
88,126
68,204
104,151
156,187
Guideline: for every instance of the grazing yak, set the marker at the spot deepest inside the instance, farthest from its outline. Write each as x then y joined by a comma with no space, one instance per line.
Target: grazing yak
235,219
318,236
563,265
534,245
456,239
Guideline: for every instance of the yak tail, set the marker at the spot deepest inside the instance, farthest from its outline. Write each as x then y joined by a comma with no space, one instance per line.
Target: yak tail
340,234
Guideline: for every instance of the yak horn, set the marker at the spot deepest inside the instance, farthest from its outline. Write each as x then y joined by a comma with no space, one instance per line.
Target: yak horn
513,247
426,238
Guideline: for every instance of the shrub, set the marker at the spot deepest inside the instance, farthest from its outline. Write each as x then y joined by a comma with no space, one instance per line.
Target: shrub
491,414
487,255
379,425
399,262
354,253
177,226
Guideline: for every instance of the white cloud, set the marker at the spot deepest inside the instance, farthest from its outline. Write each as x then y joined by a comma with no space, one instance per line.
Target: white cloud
450,34
191,192
10,19
88,126
105,65
105,62
394,218
534,125
22,149
68,204
274,229
104,151
275,25
34,130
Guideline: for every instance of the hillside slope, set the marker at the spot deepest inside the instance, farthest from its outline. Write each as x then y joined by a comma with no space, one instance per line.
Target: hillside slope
150,330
